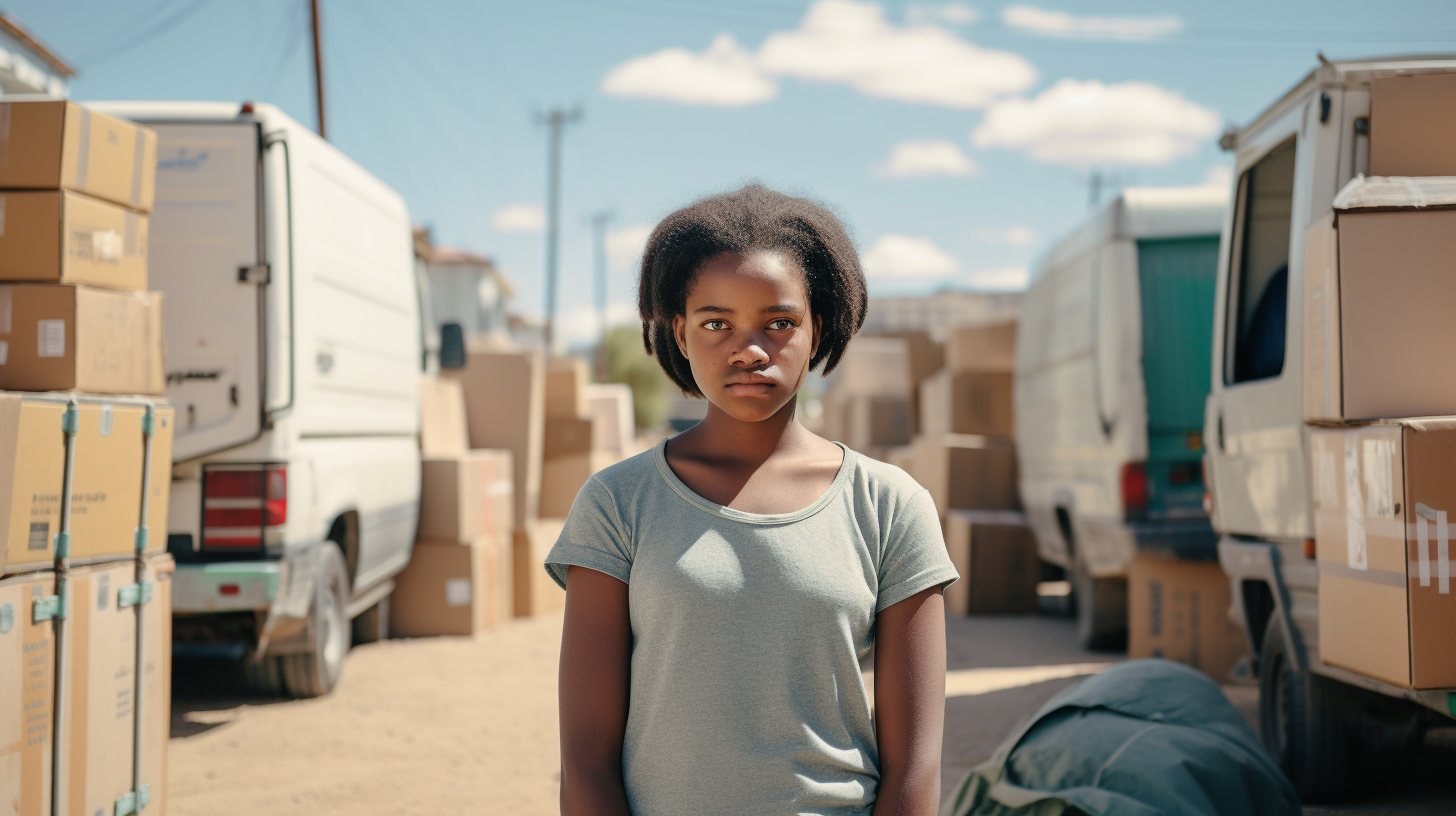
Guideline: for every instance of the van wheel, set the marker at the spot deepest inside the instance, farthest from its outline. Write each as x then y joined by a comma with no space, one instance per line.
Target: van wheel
264,675
1301,725
373,623
1101,610
316,672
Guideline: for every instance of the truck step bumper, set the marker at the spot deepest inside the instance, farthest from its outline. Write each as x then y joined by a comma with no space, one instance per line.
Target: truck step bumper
226,587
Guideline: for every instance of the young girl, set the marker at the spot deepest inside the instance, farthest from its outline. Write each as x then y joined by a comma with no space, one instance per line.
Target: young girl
722,588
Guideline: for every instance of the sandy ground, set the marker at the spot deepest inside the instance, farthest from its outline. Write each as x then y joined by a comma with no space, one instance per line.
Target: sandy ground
468,725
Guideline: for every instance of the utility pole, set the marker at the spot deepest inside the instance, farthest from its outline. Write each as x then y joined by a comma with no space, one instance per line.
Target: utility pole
555,120
318,72
599,220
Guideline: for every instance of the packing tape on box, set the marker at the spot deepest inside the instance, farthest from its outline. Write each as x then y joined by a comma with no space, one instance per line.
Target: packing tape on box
83,160
4,136
4,309
130,224
2,215
139,153
1425,515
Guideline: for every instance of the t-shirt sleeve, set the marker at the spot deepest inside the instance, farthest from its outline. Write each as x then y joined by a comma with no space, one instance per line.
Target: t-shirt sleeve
915,558
593,537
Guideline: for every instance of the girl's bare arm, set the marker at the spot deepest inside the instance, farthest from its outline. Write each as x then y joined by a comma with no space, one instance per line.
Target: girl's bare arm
910,704
596,653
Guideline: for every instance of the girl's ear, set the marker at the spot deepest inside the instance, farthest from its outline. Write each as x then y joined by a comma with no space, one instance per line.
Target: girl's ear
680,333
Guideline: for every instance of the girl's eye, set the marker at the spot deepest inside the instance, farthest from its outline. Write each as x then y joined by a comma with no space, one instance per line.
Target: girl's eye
781,324
716,325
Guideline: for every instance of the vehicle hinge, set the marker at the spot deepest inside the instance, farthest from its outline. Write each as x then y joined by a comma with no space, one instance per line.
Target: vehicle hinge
133,594
133,801
47,608
257,273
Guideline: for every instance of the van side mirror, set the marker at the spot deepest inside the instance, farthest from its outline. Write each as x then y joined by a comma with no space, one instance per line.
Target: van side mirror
452,346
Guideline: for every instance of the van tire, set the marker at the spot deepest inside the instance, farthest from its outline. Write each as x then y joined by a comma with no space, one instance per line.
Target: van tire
1101,605
315,673
264,675
1301,724
372,625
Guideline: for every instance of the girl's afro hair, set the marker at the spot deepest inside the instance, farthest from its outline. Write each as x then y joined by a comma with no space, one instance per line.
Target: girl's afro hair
753,218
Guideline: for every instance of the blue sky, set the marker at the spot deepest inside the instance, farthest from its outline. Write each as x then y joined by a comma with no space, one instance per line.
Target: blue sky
955,139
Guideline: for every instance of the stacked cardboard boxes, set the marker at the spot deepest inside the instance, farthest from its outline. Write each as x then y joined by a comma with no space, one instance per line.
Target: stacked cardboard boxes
995,554
458,581
578,440
868,404
1378,329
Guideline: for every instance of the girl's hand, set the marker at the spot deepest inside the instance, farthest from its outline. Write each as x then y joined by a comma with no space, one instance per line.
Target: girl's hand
596,668
910,704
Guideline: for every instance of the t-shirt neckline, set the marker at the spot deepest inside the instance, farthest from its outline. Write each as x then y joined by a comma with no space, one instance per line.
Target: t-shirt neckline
659,455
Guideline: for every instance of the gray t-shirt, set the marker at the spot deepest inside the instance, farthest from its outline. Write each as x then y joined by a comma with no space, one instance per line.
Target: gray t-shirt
747,631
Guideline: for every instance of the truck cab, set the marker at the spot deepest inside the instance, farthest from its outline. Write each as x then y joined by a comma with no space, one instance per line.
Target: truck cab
1289,164
293,328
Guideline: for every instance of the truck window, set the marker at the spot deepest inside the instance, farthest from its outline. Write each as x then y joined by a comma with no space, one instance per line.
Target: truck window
1266,194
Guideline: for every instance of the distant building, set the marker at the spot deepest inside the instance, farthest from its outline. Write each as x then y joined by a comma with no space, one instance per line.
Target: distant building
465,288
27,66
941,311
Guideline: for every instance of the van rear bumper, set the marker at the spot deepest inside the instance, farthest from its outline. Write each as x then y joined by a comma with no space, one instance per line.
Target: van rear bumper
1184,539
233,586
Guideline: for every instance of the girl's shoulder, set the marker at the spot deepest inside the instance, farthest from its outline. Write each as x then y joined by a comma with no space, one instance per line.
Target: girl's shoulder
628,475
886,483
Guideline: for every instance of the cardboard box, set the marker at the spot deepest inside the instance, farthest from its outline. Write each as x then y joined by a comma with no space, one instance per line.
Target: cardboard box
100,693
613,423
505,409
563,476
1382,493
1378,327
1411,122
1179,610
874,367
52,145
967,472
533,591
58,236
566,383
27,685
968,402
995,553
106,485
442,418
871,424
65,337
926,357
982,348
466,496
453,588
565,436
902,457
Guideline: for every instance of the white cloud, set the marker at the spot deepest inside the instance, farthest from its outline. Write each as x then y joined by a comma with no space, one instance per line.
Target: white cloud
851,43
725,75
999,279
1219,175
929,157
625,246
1084,123
1011,236
1061,24
519,218
907,256
948,13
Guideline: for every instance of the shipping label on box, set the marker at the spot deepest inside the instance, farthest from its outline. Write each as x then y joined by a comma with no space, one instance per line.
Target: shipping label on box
58,144
66,337
58,236
1382,494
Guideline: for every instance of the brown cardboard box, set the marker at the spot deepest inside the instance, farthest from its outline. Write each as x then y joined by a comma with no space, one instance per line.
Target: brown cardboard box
566,383
1377,295
613,424
453,588
442,418
27,683
563,476
106,485
466,496
967,402
873,423
874,367
99,694
57,236
965,472
65,337
1381,494
505,409
983,348
1411,122
995,553
926,357
534,592
1178,610
566,436
54,145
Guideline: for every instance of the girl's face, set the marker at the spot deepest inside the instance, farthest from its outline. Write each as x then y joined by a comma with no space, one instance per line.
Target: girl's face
748,334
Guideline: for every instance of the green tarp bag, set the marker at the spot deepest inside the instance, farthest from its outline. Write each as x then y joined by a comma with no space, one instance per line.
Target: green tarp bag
1143,738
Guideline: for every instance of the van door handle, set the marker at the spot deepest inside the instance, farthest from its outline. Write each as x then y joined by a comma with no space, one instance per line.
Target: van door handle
1220,433
257,273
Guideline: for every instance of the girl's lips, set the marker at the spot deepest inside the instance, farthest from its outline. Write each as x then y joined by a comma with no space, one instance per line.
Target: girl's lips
750,388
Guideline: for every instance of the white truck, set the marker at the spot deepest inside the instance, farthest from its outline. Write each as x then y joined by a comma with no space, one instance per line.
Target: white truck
295,347
1111,376
1289,164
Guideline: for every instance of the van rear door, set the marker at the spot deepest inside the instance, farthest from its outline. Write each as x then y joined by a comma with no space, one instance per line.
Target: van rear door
206,259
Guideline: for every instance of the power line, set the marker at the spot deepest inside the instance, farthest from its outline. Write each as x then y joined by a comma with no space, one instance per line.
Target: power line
146,36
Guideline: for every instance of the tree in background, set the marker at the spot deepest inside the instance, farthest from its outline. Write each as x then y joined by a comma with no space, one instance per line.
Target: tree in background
627,362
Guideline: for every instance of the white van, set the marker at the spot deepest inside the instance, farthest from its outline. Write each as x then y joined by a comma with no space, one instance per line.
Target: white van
1112,356
294,353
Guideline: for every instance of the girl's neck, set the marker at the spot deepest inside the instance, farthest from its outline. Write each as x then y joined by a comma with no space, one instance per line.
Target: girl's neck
719,436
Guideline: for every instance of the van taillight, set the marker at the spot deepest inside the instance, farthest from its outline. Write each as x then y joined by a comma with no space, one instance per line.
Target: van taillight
1135,491
241,504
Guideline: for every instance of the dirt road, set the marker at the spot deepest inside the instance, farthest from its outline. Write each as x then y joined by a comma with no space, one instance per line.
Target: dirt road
455,725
